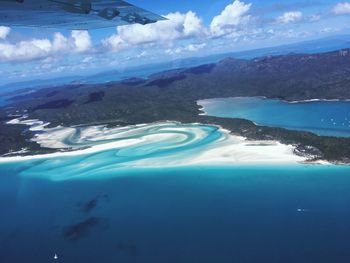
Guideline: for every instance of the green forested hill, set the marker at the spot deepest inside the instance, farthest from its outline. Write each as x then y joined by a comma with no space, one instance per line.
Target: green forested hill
172,95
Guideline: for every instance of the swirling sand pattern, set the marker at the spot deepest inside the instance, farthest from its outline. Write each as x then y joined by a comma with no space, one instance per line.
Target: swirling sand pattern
104,152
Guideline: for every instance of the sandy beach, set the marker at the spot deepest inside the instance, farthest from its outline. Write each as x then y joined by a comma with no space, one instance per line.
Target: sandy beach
171,143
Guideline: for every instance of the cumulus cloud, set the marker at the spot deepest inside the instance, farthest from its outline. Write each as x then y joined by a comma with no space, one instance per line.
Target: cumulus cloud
232,17
78,41
290,17
25,50
341,8
178,26
230,22
114,42
233,26
82,40
4,31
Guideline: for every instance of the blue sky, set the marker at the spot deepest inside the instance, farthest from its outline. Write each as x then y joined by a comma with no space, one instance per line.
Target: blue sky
193,28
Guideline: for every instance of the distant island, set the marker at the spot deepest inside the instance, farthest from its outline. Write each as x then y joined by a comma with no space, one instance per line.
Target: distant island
173,95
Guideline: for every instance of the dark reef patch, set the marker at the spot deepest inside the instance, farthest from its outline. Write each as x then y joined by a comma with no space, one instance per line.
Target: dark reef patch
55,104
81,229
90,205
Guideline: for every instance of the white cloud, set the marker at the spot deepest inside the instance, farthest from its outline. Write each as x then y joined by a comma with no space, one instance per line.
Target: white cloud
114,42
4,31
188,48
232,17
178,26
79,41
341,8
329,30
195,47
25,50
233,27
231,21
82,40
314,18
59,42
290,17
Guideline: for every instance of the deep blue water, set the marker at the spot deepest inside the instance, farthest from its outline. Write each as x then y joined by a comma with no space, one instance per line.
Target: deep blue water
331,118
297,213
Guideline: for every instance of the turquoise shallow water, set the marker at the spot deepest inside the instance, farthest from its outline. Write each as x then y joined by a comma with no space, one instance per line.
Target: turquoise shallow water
123,203
153,145
201,214
331,118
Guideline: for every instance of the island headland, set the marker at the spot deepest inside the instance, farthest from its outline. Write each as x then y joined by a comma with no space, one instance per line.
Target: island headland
173,95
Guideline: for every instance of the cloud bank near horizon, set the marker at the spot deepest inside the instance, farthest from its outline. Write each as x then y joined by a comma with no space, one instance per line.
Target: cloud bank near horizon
182,34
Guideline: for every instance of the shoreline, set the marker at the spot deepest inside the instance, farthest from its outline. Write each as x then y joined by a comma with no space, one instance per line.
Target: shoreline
228,150
203,105
317,100
279,99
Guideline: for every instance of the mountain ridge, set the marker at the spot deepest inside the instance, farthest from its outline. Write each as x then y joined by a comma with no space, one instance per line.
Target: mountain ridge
172,95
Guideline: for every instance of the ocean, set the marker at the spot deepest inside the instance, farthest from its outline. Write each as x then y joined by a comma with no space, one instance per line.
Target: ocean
170,192
329,118
296,213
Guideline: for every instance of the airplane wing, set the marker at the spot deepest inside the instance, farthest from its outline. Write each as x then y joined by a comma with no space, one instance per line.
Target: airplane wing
73,14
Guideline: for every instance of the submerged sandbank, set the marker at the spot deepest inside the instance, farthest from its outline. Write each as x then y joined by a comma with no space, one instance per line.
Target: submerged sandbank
163,144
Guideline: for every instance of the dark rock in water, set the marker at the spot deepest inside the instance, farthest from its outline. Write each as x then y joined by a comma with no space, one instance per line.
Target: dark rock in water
79,230
92,204
89,205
